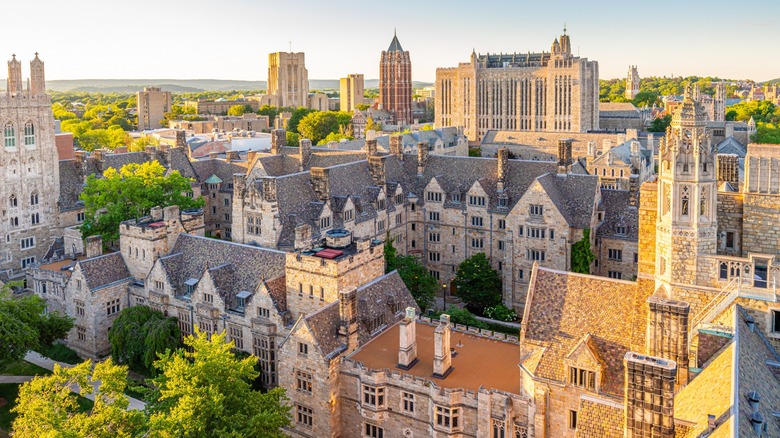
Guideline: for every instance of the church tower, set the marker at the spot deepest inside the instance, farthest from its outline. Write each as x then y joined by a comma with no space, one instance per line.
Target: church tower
395,82
632,82
37,78
686,227
719,103
14,77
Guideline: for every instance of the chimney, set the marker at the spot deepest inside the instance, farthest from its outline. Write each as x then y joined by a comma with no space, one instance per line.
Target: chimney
397,146
156,213
564,156
278,139
269,188
667,333
422,157
320,182
728,169
442,356
503,167
633,190
181,139
376,166
80,156
648,396
303,237
407,345
94,246
304,145
371,148
213,155
231,156
651,142
348,318
151,151
99,154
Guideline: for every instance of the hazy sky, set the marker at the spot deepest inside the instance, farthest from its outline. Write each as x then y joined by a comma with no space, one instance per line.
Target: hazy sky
230,39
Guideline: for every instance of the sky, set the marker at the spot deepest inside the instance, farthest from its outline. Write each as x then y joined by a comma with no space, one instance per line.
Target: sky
231,39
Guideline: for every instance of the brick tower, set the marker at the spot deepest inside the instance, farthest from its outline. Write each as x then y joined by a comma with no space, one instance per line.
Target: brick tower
395,82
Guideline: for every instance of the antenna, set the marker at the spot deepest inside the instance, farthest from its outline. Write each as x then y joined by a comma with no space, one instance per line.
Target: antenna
564,28
290,42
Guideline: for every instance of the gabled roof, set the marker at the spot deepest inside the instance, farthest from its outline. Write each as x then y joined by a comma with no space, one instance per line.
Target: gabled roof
213,179
573,195
104,270
731,146
619,215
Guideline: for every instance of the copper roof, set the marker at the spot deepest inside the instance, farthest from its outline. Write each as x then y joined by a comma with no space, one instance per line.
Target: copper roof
479,361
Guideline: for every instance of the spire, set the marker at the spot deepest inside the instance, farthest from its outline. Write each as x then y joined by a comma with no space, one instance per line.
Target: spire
395,46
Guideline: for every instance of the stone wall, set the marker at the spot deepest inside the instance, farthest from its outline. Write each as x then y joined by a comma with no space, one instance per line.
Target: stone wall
761,228
730,220
626,266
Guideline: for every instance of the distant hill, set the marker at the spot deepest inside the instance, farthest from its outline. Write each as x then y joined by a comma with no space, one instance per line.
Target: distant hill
188,85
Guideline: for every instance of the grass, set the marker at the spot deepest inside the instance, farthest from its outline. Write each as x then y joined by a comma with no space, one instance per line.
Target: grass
23,368
61,353
10,391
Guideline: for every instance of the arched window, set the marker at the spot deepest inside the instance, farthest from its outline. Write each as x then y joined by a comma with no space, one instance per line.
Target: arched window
29,134
9,135
685,201
31,165
34,198
12,201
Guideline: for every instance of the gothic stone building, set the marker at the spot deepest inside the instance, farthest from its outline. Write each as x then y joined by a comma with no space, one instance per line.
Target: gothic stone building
395,83
548,91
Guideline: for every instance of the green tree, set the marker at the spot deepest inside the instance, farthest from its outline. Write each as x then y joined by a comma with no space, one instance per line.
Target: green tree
239,110
582,254
362,106
139,144
292,138
139,334
659,124
296,115
24,325
61,113
371,125
421,284
270,111
318,125
46,407
462,316
646,98
207,392
131,193
334,136
478,283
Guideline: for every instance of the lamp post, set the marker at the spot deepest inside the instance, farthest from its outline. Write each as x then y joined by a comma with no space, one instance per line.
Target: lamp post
444,302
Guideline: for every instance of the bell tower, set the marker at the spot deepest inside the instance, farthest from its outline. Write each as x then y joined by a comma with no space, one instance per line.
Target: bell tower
37,77
686,227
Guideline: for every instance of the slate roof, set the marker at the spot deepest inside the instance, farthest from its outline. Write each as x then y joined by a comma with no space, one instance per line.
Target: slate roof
618,110
574,195
71,183
562,309
599,420
622,153
618,213
731,146
395,46
104,270
220,168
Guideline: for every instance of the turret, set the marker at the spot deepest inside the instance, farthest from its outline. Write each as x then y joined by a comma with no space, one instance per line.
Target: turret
37,77
14,76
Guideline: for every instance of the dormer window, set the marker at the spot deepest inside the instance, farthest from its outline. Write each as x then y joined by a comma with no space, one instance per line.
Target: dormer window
582,378
503,202
241,300
349,215
399,198
189,286
325,222
381,204
433,196
477,201
456,197
620,230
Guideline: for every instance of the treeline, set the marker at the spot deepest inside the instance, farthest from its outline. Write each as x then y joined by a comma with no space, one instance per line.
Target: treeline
613,90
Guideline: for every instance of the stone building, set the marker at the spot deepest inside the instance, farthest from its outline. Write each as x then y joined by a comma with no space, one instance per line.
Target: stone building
29,189
245,122
548,91
620,116
395,83
351,92
220,107
152,103
288,79
632,82
617,166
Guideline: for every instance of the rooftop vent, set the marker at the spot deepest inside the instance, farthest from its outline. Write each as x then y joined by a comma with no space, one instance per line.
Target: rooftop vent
757,421
753,400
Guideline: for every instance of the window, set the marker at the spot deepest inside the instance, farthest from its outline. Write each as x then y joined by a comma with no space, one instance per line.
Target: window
456,197
398,219
447,418
433,216
185,322
500,245
536,233
374,431
112,307
582,378
413,227
9,135
408,402
34,198
380,225
81,334
434,257
685,198
374,396
499,429
476,221
13,202
500,266
615,254
79,308
552,234
303,348
304,415
434,237
349,215
572,419
376,323
775,321
520,231
477,242
325,222
27,242
502,224
35,218
322,293
265,350
729,240
28,261
520,274
208,298
213,210
263,312
236,334
381,204
311,291
433,196
434,274
159,285
303,381
615,274
226,201
503,202
536,255
80,217
535,210
399,198
477,201
521,431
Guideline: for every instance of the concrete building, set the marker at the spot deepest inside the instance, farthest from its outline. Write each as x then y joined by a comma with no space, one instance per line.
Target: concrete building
351,92
395,83
548,91
288,79
153,103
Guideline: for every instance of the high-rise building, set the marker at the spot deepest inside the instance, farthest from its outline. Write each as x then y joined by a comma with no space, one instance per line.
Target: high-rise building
29,177
632,82
395,82
288,79
153,103
548,91
351,92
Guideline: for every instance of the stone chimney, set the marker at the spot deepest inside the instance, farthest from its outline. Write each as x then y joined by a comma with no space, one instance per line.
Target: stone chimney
371,148
181,138
93,246
213,155
320,182
503,168
397,145
80,156
442,356
667,333
407,345
649,396
728,169
564,156
156,213
304,145
231,156
422,157
250,156
278,139
348,318
100,154
651,142
376,166
592,149
151,152
303,237
633,190
269,188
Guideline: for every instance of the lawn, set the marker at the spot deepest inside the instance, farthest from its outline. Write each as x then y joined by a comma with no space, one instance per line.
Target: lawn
23,368
9,392
61,353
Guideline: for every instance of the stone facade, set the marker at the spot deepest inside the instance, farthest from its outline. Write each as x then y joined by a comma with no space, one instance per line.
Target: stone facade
220,107
549,91
288,79
153,103
632,82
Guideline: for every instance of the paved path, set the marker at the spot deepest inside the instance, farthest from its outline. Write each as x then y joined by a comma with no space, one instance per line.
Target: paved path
45,362
15,379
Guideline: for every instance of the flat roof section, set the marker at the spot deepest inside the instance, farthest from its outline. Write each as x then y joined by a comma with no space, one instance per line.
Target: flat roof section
479,361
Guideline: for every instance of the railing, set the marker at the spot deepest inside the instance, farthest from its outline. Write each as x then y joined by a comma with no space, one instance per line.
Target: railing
723,299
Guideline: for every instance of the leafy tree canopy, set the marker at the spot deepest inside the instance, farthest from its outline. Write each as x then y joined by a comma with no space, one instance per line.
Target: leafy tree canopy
421,284
131,193
478,283
239,110
659,124
318,125
582,254
139,334
296,115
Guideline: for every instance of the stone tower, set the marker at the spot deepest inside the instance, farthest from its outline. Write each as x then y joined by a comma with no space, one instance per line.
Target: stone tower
632,82
687,221
395,82
29,170
719,103
288,78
